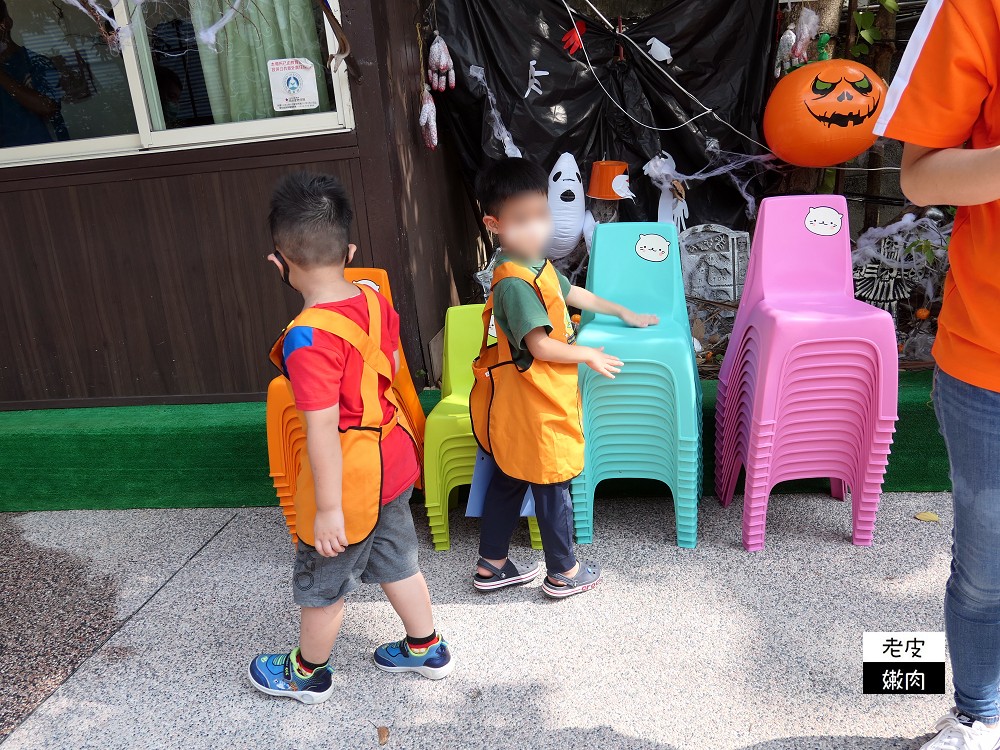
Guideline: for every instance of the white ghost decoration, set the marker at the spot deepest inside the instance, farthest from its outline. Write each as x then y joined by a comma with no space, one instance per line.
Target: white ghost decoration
589,226
652,247
659,51
824,221
621,187
566,202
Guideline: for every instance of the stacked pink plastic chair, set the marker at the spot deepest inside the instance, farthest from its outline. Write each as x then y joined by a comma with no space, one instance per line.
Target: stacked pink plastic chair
809,382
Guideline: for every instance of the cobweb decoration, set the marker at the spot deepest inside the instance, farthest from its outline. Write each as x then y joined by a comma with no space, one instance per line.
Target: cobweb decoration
109,29
478,74
721,164
208,34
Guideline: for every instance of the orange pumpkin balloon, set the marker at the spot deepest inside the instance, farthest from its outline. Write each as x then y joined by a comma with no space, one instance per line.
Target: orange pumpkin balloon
824,113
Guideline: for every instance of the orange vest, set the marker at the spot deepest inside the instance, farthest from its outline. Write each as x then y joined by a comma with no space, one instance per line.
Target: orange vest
529,420
361,445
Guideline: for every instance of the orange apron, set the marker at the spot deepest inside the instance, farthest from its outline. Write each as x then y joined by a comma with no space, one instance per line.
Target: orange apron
528,420
361,445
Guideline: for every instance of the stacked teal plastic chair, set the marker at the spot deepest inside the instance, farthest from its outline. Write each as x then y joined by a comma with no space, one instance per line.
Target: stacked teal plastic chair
646,423
449,444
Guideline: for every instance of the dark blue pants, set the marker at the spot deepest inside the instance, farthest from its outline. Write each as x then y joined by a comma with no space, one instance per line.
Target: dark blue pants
502,511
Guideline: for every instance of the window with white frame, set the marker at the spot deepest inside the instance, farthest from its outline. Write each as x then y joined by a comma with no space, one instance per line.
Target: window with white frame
188,73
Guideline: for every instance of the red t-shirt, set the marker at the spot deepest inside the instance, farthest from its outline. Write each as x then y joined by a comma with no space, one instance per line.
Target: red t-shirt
325,370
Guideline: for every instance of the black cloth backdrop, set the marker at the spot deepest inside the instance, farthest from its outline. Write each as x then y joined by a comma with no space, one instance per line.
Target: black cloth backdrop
721,53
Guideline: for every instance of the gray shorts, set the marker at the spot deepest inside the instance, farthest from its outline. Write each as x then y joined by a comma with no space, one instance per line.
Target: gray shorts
387,556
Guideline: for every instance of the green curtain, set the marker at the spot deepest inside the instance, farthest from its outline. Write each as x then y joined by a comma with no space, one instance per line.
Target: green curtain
236,67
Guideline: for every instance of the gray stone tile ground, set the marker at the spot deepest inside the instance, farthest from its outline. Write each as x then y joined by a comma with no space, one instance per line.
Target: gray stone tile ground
69,580
706,649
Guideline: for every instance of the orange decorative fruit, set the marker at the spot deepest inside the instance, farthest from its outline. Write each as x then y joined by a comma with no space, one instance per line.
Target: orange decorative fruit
923,313
824,113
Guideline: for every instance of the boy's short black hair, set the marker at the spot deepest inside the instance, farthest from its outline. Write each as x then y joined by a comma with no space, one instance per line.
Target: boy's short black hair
310,217
506,179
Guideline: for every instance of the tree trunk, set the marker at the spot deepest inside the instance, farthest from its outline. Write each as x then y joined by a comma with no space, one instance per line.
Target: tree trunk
881,57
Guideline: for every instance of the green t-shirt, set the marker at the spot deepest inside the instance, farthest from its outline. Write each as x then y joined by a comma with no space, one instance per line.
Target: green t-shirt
518,310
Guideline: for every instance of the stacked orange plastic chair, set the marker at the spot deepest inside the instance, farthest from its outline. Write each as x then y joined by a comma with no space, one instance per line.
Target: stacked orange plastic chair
286,435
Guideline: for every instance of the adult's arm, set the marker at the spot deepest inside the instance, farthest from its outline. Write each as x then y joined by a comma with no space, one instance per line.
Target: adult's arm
953,176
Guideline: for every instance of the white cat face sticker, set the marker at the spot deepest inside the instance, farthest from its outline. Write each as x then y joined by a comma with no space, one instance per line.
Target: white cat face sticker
652,247
824,221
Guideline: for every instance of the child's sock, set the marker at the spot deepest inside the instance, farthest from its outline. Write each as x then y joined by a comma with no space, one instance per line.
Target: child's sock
305,668
419,646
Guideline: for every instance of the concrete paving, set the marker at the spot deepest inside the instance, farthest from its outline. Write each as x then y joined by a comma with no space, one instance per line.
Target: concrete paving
706,649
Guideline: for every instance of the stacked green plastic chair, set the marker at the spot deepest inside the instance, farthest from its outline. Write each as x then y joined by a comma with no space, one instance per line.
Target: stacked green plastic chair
646,423
449,444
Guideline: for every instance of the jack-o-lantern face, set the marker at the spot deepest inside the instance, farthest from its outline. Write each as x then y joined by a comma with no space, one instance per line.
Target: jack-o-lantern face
824,113
844,103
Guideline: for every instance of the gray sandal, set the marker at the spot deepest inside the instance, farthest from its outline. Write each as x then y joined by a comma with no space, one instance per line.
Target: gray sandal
508,575
588,576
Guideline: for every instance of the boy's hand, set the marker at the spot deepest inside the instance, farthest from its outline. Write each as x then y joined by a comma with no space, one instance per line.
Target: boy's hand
328,529
607,365
639,320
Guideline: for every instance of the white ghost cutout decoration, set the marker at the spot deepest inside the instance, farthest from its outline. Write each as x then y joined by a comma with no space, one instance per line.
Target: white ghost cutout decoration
621,187
659,51
652,247
566,202
824,221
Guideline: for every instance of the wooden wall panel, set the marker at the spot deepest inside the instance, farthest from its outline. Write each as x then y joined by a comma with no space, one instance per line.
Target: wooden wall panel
439,229
150,287
142,278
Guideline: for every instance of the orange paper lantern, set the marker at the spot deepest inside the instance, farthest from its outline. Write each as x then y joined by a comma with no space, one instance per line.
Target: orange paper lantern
824,113
602,180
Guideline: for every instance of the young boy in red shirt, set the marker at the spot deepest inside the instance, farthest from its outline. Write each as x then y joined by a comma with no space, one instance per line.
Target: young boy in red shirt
341,354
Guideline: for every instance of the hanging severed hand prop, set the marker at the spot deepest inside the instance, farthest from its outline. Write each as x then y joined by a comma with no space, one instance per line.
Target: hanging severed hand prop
440,66
428,119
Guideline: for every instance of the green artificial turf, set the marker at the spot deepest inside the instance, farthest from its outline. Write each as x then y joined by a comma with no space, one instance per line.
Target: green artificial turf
216,455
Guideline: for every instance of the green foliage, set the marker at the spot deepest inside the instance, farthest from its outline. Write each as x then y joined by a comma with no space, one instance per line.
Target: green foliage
924,247
868,33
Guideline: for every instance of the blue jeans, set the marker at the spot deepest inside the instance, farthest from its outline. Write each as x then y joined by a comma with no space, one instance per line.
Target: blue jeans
970,422
502,513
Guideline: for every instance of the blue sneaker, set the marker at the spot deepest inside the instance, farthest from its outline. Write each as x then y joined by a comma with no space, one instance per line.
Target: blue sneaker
435,663
274,674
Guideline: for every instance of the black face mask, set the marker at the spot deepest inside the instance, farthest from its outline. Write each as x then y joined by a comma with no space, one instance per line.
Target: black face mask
285,269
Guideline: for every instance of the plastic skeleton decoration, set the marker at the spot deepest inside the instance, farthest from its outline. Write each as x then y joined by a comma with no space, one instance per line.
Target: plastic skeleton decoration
440,67
428,119
566,201
673,207
884,285
885,273
533,83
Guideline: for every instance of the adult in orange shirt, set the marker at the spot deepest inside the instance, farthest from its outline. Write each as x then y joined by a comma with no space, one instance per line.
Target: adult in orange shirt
945,105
